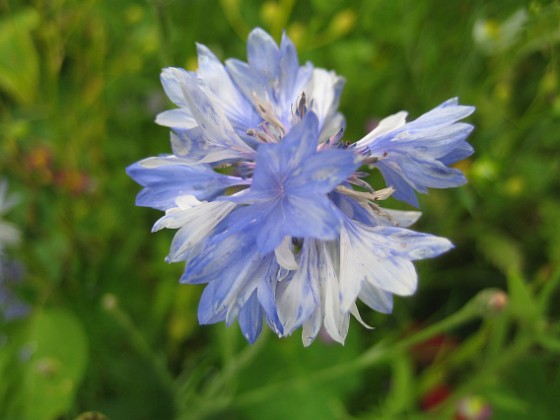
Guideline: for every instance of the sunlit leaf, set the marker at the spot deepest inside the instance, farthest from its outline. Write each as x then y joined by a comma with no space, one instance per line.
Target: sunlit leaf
19,62
59,354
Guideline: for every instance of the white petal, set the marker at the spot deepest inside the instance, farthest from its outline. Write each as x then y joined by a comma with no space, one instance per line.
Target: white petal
298,297
156,162
185,202
311,327
177,118
386,125
354,311
323,93
194,223
285,256
403,218
354,264
368,254
336,322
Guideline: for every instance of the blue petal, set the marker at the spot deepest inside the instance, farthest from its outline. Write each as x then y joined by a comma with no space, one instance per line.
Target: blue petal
403,190
250,319
206,311
165,183
299,144
322,172
266,293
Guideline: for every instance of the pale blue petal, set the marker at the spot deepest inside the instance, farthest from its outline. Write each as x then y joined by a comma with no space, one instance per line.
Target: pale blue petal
377,299
293,78
213,122
240,112
414,245
432,174
263,54
463,151
248,81
172,79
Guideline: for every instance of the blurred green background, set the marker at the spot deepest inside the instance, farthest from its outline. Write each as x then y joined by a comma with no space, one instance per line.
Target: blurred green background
106,330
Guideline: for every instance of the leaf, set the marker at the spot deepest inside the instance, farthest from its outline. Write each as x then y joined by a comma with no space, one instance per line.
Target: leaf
19,61
59,354
501,250
522,302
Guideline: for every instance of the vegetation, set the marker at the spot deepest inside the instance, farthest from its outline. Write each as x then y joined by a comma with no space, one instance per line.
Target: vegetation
108,329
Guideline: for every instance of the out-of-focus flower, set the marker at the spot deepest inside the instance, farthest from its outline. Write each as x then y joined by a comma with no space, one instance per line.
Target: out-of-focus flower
10,271
473,407
9,234
261,189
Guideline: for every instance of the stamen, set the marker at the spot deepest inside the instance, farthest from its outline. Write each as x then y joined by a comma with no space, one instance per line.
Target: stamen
262,136
267,113
366,196
360,183
302,108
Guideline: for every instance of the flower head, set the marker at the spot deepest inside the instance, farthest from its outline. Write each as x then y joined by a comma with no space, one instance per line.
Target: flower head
261,191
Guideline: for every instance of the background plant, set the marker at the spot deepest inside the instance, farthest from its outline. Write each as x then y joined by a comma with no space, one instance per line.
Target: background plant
110,330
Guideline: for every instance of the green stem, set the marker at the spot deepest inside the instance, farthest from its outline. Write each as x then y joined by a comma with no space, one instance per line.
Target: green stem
382,351
164,30
139,342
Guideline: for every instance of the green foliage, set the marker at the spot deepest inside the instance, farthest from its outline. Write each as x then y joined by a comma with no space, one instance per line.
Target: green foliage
110,330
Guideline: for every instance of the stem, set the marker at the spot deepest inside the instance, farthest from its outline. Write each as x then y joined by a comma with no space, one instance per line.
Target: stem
382,351
138,341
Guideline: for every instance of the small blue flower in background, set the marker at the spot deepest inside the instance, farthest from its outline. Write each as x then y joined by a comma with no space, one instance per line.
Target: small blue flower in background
259,186
11,307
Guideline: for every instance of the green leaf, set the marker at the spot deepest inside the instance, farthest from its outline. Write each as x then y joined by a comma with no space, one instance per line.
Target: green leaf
55,369
501,250
522,302
19,61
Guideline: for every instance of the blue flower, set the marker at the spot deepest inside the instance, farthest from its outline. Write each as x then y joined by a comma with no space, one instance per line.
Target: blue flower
288,195
260,188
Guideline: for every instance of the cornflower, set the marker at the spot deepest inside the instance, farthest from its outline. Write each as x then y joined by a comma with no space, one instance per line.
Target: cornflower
271,208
